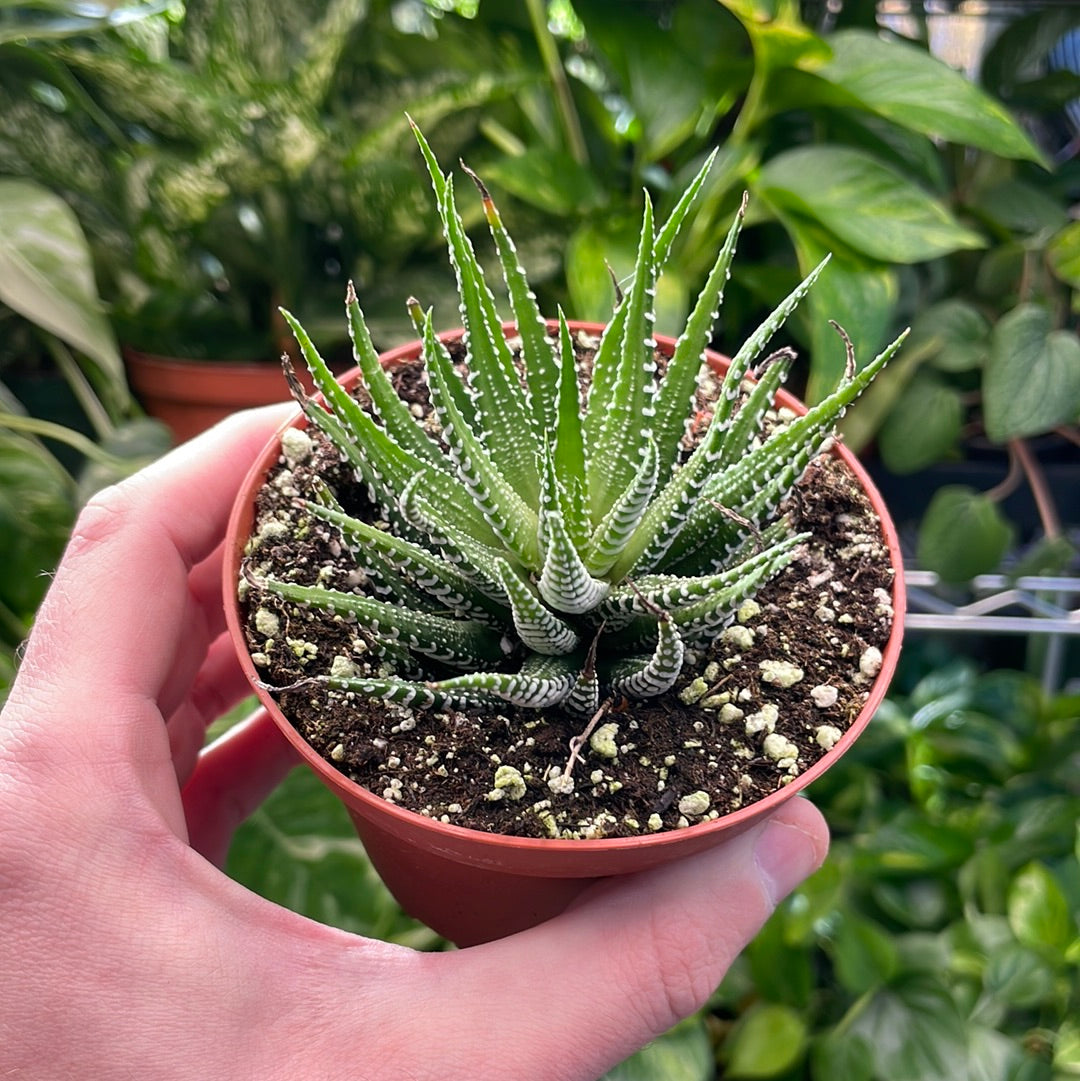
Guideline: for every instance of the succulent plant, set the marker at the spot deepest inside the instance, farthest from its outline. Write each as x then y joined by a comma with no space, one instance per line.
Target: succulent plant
554,537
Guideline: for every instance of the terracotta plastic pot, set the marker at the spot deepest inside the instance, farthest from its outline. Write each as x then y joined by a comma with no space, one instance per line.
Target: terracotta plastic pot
472,886
190,396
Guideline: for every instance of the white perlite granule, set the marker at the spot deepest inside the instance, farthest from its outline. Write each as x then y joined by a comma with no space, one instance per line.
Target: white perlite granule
824,696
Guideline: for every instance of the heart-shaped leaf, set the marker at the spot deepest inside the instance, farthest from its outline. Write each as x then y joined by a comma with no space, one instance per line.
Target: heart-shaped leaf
1032,378
962,534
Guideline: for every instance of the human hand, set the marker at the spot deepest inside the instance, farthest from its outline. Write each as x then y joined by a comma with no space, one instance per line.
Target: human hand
125,952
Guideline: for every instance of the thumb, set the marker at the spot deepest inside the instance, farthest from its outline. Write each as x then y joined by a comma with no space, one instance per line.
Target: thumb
583,991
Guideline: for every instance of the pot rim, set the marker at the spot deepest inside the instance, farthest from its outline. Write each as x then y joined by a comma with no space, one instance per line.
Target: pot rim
452,835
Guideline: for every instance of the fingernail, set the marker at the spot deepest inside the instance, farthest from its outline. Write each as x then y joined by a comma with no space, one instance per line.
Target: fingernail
785,855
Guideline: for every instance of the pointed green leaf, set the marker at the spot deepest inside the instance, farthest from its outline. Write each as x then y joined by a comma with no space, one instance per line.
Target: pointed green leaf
405,692
747,423
541,370
463,643
667,233
751,349
773,467
675,395
382,463
537,626
542,681
617,424
494,379
613,532
672,592
669,510
650,676
433,576
474,559
569,449
702,621
385,400
512,520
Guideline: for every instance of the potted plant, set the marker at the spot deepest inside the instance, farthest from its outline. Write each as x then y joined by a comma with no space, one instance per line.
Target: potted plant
534,626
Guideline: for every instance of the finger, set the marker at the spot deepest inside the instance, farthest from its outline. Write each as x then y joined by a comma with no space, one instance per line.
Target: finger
110,625
204,620
231,779
628,961
217,687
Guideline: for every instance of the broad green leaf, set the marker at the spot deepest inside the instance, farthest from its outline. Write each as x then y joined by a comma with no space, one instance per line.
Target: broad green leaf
1067,1049
955,332
590,249
683,1054
908,86
1047,557
783,971
867,204
550,181
962,534
1020,54
1063,255
923,426
1018,976
914,1031
915,902
1032,379
841,1055
1038,910
857,293
994,1055
36,22
863,953
908,844
767,1041
669,85
1020,207
46,274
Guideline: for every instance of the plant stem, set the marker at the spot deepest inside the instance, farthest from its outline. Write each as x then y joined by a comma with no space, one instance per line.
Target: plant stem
90,403
48,430
1011,481
1044,501
564,101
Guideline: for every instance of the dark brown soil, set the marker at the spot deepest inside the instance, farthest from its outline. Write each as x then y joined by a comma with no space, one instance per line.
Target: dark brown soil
735,728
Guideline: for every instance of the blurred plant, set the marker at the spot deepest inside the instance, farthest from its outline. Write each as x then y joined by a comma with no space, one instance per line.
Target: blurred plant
229,155
51,316
922,185
994,357
941,937
838,140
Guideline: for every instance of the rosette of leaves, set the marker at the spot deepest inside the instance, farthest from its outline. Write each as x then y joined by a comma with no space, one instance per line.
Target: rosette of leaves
553,539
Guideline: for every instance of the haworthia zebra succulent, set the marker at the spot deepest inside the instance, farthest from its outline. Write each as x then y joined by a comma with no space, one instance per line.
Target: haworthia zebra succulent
542,547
